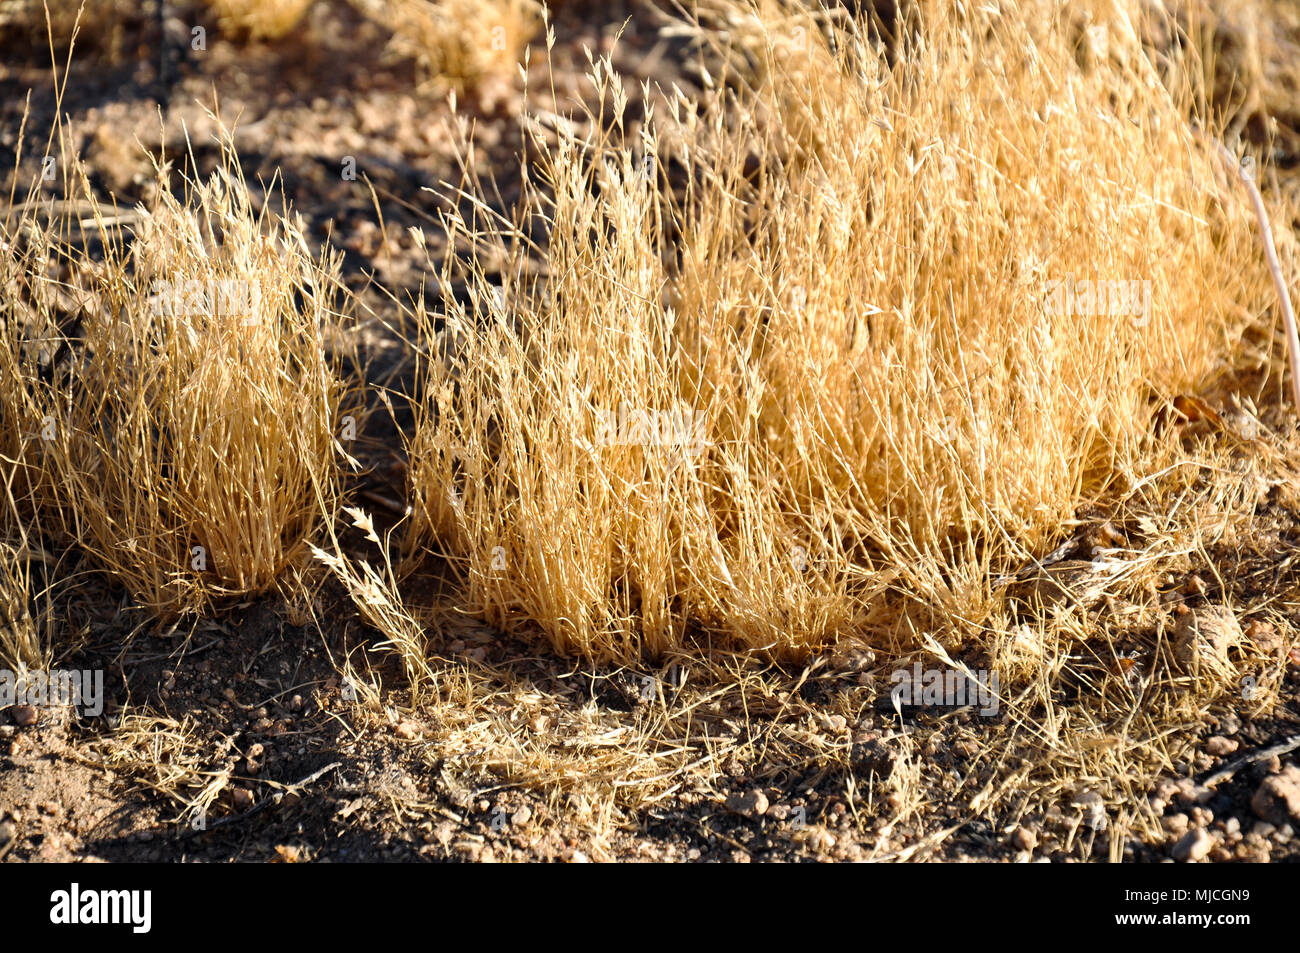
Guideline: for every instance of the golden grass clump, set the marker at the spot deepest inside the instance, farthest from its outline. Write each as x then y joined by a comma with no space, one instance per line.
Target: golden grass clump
465,46
181,421
892,327
260,19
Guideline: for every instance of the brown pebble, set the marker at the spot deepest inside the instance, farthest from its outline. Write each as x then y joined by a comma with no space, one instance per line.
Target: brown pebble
748,802
1194,846
1024,838
1220,747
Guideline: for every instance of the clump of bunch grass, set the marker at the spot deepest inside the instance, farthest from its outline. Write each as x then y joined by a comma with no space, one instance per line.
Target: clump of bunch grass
260,19
463,46
850,298
175,407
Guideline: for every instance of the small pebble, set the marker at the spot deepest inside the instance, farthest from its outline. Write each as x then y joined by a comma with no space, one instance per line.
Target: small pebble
1194,846
753,802
1024,838
1220,746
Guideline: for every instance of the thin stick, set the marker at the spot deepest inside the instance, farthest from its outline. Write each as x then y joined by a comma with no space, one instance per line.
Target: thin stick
1292,341
1253,757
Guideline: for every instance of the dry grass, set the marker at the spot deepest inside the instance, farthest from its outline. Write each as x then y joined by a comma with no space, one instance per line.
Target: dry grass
780,403
52,23
260,19
176,399
25,641
473,46
846,291
853,315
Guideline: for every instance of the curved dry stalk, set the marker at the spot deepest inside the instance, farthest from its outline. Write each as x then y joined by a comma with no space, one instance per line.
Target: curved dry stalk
1270,252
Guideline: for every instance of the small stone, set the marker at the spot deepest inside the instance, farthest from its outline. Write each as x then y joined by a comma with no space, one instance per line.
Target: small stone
25,715
406,730
1094,809
521,817
1177,824
1265,637
752,802
243,799
836,723
8,831
1203,638
1186,791
1229,724
1194,846
815,838
1068,581
1220,746
1024,838
1277,799
295,703
859,660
